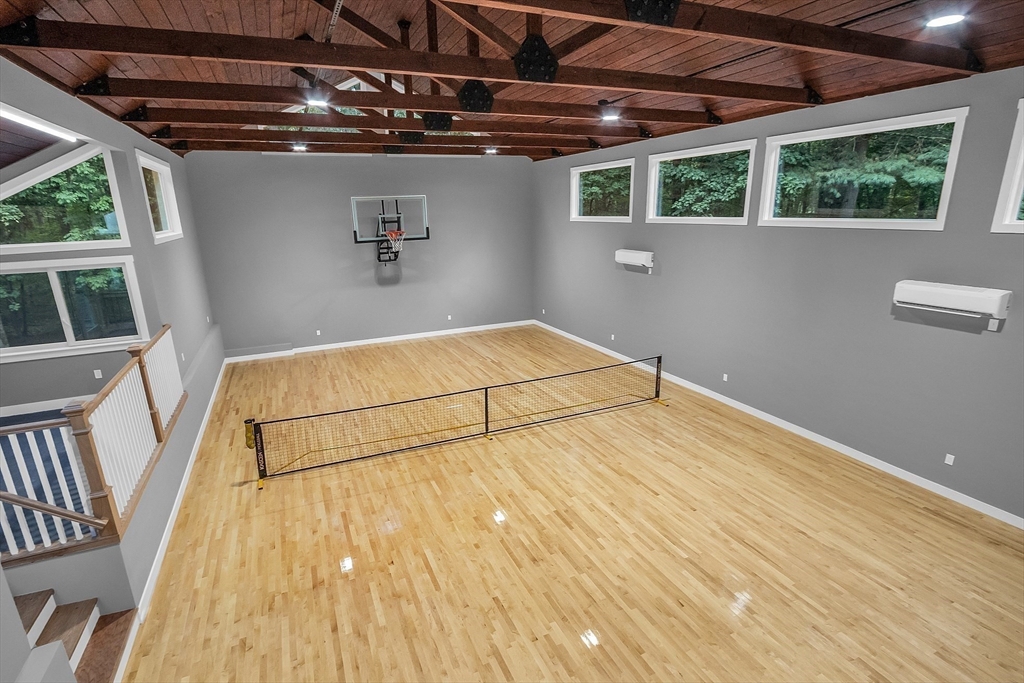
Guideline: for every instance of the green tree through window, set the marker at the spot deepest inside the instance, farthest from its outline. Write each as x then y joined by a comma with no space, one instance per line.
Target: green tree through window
72,206
712,185
895,174
605,192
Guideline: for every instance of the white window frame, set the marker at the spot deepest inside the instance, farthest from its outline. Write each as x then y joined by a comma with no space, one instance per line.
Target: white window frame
163,171
574,193
771,169
71,346
52,168
1005,219
653,168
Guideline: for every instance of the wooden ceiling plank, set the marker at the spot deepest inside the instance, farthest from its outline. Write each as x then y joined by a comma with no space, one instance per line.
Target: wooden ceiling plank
238,146
118,40
229,92
247,117
323,137
475,22
756,27
581,39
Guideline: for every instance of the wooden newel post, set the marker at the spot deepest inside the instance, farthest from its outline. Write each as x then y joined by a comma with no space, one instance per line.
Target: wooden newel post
136,351
101,496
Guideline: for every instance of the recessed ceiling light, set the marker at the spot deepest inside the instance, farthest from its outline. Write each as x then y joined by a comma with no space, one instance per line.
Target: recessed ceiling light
491,150
298,148
610,117
947,20
34,124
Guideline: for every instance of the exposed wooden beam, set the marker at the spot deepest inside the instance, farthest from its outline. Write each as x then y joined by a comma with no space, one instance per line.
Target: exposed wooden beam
241,117
580,39
232,146
320,137
432,44
403,26
140,89
128,40
535,24
482,27
695,18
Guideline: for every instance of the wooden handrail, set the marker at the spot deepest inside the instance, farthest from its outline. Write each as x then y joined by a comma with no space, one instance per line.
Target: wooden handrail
144,348
33,426
93,402
48,509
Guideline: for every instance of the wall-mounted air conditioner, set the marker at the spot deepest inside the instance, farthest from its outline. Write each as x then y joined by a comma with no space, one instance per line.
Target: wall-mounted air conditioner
631,257
976,302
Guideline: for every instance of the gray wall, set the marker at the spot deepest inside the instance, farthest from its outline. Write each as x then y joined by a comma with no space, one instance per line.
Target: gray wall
276,232
801,319
13,642
170,274
173,291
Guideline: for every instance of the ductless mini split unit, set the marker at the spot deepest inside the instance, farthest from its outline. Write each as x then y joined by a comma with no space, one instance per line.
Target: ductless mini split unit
975,302
631,257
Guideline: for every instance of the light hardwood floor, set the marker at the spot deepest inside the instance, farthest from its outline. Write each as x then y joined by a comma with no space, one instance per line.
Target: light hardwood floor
693,541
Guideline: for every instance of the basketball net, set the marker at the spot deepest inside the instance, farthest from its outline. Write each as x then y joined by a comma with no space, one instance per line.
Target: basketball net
395,239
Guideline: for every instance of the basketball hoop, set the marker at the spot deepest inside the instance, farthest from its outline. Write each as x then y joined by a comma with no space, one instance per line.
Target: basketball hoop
395,239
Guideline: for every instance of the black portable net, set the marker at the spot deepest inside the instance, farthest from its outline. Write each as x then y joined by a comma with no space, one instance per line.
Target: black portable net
300,443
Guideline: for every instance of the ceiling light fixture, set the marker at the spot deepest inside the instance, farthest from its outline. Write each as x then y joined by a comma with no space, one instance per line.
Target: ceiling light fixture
35,124
947,20
610,117
298,148
317,101
491,150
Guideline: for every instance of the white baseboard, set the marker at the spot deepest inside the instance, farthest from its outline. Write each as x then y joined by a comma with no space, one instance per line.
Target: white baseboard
41,406
378,340
877,463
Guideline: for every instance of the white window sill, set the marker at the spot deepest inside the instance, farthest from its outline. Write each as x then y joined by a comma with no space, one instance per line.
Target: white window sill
601,219
858,224
1015,228
166,236
19,354
698,220
43,248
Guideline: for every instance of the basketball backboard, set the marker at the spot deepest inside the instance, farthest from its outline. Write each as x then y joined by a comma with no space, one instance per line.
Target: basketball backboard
374,216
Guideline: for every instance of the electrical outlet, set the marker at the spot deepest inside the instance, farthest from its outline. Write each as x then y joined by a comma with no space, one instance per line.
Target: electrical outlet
183,358
449,316
207,318
613,337
950,458
543,312
318,333
98,374
725,378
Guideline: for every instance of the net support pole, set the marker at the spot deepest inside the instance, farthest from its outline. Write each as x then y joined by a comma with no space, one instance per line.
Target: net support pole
261,456
487,412
657,381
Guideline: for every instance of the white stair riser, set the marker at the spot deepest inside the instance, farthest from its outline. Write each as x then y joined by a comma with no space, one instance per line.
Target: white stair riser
40,622
76,656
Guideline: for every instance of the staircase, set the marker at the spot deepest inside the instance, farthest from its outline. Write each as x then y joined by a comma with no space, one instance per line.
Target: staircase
94,643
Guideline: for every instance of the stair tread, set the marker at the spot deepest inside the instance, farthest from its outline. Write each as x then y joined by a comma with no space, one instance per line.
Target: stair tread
67,624
103,653
30,605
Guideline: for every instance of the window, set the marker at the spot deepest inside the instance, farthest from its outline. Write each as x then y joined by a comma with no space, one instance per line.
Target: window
69,203
603,192
706,185
894,174
68,307
163,207
1009,216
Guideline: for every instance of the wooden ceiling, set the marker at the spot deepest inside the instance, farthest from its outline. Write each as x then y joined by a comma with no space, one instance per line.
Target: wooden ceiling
219,74
18,141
